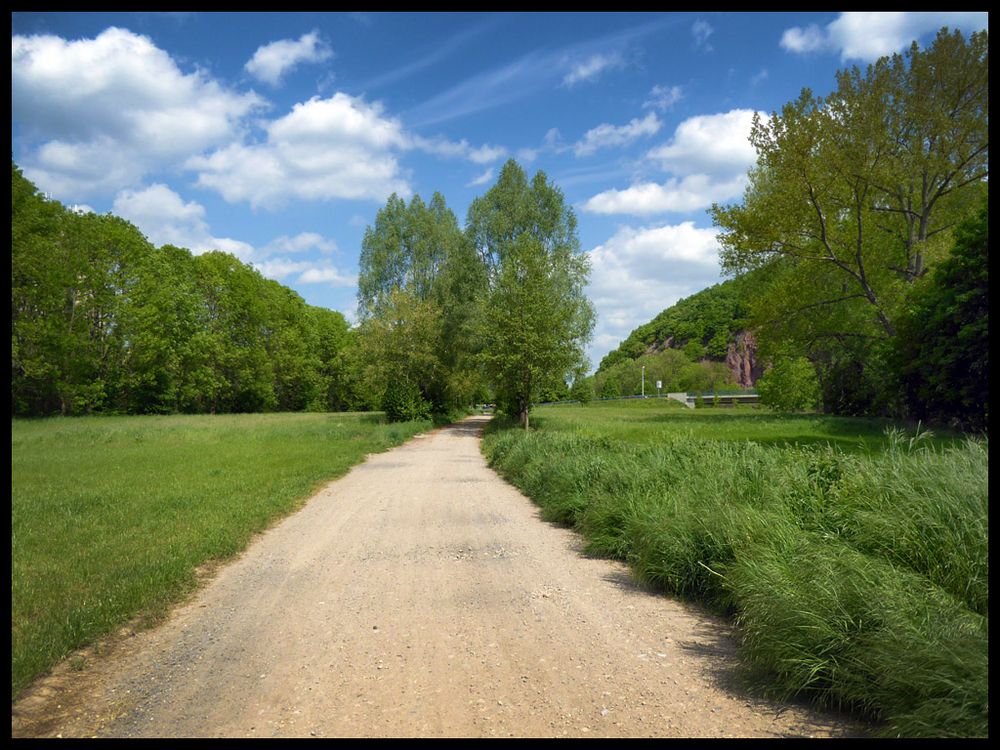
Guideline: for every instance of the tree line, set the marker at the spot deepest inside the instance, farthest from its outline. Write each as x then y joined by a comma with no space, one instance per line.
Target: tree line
103,321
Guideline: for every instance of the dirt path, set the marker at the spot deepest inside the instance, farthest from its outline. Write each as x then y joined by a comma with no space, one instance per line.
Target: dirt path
420,595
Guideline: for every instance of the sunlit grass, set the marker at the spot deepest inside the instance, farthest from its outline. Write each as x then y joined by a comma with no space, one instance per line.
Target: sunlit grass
854,560
111,516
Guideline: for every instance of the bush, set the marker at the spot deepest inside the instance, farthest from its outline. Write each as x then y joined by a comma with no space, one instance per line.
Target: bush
402,402
791,385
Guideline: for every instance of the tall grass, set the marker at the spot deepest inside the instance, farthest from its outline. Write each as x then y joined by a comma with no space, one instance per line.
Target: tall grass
858,578
111,516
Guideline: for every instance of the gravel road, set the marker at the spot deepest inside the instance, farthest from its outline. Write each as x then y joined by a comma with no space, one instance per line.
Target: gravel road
420,595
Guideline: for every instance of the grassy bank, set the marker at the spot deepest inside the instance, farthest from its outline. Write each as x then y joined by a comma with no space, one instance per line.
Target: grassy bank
858,577
110,516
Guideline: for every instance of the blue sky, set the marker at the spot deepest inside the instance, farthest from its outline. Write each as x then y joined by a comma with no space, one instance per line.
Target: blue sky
277,137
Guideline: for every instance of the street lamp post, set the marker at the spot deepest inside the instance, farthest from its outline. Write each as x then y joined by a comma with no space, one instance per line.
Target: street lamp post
644,381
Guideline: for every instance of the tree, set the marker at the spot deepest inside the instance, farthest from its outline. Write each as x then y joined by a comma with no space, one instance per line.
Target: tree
790,385
419,252
399,352
854,196
943,352
535,319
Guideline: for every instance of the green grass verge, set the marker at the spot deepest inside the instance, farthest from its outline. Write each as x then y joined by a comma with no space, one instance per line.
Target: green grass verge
857,578
111,516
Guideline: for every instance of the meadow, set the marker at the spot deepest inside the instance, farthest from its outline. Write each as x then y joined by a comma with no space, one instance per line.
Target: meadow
851,554
111,517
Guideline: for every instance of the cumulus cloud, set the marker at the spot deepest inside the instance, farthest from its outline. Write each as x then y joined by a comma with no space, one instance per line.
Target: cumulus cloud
166,219
103,112
637,273
272,61
340,147
710,144
606,135
286,270
708,158
592,67
809,39
870,35
677,195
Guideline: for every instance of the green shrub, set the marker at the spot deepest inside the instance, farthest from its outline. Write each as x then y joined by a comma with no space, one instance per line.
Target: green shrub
790,385
402,402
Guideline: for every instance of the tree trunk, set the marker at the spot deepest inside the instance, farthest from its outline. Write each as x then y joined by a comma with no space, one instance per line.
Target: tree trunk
524,417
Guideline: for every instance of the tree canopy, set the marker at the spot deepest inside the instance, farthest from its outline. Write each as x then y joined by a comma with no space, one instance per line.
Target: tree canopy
852,199
103,321
535,317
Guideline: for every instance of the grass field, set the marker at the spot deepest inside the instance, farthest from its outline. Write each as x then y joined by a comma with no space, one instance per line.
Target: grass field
652,420
854,560
111,516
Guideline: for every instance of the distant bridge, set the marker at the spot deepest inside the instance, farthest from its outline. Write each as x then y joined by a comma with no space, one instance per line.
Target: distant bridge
717,398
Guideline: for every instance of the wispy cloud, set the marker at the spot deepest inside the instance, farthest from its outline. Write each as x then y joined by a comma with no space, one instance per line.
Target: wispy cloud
663,98
524,77
605,135
701,31
592,67
481,179
441,51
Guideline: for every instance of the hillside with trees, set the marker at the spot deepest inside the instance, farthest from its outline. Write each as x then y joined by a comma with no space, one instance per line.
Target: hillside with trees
700,343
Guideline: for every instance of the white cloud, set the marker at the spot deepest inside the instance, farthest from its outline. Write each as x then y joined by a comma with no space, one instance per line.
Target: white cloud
104,112
456,149
701,31
708,157
663,98
712,144
304,271
301,243
272,61
327,275
606,135
637,273
809,39
592,67
870,35
679,195
339,147
165,219
486,154
481,179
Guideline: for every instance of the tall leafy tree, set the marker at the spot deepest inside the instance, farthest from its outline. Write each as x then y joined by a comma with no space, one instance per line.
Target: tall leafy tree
535,318
854,196
419,285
